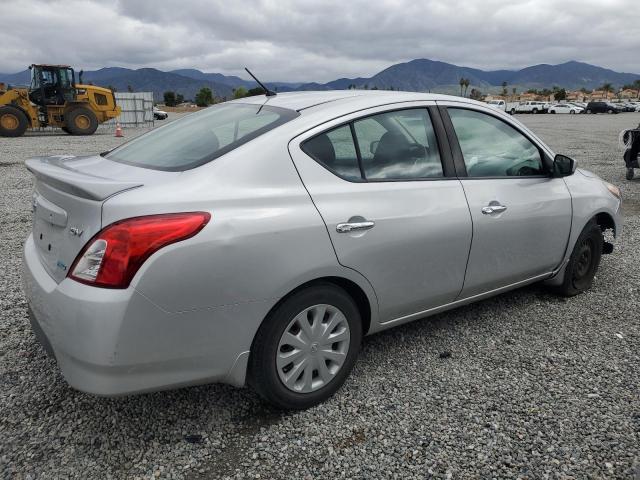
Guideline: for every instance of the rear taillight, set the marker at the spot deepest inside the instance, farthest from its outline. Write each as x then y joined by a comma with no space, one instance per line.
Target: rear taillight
114,255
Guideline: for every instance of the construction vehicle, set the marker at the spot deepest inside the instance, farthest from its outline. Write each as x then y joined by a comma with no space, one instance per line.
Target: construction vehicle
54,99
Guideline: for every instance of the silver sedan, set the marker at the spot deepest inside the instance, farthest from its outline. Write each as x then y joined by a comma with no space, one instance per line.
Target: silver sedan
258,240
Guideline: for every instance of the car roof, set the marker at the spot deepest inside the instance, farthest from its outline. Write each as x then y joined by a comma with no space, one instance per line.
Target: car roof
301,101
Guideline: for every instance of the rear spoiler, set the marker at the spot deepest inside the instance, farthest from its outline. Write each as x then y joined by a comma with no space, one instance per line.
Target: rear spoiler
56,173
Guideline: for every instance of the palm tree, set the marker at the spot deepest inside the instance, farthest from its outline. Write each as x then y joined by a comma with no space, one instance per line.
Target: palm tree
504,88
636,85
466,86
606,88
461,85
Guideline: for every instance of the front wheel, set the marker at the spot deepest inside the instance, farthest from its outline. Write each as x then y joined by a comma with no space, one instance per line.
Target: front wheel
513,111
13,121
534,111
306,348
584,261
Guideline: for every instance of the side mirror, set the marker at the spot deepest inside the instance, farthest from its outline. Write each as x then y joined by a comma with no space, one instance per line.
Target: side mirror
563,166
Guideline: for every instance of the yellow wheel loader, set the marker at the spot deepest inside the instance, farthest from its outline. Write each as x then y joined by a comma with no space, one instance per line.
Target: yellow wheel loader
54,99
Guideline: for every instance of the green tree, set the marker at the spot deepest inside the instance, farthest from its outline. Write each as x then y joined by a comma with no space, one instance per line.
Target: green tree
475,94
461,85
636,85
504,89
255,91
179,98
170,99
204,97
466,86
606,88
560,94
240,92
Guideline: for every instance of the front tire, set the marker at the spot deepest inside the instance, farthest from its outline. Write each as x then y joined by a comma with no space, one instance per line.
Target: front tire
13,122
584,261
306,348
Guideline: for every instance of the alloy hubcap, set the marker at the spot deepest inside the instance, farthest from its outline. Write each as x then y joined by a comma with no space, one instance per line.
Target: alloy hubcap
313,348
9,121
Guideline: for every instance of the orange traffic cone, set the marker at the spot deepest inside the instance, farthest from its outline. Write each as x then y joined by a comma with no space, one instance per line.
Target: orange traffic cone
119,130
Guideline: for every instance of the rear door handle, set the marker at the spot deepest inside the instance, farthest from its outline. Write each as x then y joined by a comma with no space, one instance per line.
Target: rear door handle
354,226
490,209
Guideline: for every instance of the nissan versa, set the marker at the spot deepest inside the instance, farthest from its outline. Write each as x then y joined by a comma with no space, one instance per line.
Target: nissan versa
258,240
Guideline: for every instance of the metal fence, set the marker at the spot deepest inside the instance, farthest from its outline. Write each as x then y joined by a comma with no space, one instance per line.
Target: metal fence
137,109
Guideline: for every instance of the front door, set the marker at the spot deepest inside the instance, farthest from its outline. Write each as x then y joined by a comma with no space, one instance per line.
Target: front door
521,215
393,210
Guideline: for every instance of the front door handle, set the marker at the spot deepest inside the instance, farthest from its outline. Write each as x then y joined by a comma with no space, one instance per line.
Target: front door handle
354,226
490,209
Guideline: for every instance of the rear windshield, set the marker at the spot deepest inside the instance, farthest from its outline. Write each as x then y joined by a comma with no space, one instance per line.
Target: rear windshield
201,137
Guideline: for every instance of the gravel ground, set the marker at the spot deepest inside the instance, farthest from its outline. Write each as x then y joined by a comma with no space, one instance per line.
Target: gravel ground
535,386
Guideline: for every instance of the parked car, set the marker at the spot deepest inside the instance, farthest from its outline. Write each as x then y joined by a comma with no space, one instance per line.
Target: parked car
509,107
601,107
628,107
531,107
159,114
565,108
257,242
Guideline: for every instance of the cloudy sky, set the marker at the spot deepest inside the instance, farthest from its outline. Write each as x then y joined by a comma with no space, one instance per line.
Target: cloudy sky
319,40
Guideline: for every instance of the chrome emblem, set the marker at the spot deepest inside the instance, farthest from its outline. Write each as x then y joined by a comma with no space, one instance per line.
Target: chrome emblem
75,231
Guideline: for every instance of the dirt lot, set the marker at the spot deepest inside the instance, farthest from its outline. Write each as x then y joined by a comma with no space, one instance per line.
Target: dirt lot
535,386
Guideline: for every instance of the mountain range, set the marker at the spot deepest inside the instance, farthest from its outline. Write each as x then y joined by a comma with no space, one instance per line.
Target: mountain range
416,75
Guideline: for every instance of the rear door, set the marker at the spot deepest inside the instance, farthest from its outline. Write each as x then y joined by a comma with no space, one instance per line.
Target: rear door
521,215
393,208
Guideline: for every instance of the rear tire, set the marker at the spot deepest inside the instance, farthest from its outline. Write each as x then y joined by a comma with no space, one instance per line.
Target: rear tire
513,111
584,261
630,174
311,377
13,121
534,111
589,111
81,121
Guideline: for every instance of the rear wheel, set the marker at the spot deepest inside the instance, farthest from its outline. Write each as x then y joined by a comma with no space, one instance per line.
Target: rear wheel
13,122
81,121
513,111
584,261
630,174
306,348
589,110
609,111
534,111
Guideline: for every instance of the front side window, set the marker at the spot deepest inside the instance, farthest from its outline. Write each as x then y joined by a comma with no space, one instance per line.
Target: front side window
201,137
492,148
399,145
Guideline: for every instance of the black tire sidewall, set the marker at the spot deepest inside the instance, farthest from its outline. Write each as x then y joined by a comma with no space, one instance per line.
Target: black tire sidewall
23,122
71,125
262,367
570,285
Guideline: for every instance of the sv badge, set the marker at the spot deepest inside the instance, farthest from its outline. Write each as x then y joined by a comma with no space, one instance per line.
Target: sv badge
76,231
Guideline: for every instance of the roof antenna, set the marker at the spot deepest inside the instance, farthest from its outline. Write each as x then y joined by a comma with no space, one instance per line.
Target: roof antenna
267,92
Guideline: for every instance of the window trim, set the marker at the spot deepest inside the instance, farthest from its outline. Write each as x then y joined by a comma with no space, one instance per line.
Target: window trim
444,152
458,157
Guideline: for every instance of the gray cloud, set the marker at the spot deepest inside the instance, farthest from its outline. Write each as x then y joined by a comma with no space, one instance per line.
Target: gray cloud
308,40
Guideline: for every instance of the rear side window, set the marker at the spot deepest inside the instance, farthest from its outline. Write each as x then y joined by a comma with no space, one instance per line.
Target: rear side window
398,145
201,137
492,148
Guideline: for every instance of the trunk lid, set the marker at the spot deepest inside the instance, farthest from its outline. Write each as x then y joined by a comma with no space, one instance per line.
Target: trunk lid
67,203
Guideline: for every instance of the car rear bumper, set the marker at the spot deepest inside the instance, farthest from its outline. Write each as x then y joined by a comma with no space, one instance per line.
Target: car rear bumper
117,342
